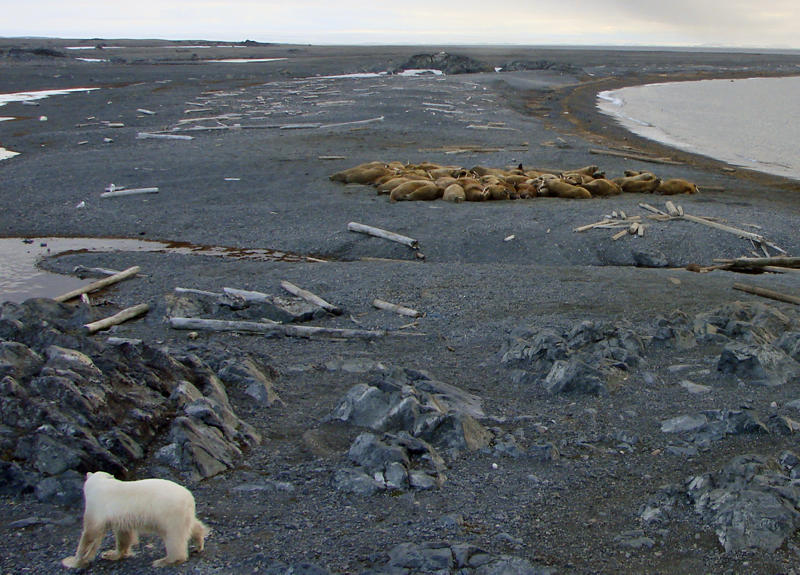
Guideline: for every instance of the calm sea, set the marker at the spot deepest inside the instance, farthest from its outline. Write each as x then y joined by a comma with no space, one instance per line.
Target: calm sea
753,122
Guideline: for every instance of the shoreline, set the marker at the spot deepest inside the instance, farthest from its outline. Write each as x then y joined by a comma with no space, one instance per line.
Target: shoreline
580,103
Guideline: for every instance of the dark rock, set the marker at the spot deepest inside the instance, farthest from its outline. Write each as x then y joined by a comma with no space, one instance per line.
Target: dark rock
355,481
447,63
543,452
374,455
574,376
251,378
649,258
421,558
684,423
758,364
635,540
433,411
751,503
18,360
790,343
14,479
199,450
64,489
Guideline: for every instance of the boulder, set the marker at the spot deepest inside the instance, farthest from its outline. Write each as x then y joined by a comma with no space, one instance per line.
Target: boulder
750,502
411,402
18,360
758,364
576,376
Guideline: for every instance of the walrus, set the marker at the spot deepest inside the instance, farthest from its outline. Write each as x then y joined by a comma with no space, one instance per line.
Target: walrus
444,171
475,194
559,188
387,186
427,192
454,193
516,179
641,184
602,187
485,171
401,191
497,192
576,178
676,186
591,171
526,190
361,174
445,181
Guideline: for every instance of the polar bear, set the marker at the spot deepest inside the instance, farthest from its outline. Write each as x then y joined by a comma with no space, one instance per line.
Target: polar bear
130,507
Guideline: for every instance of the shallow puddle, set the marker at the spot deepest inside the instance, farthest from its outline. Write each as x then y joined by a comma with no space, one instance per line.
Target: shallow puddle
20,278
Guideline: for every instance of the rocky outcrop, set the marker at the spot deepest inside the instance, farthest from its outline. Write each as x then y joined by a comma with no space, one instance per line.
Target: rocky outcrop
454,558
71,404
412,419
447,63
760,346
751,502
578,360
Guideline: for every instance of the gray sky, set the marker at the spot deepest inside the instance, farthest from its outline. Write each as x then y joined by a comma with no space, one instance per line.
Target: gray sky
748,23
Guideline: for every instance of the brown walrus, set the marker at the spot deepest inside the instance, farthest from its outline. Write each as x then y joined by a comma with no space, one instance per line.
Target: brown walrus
602,187
497,192
559,188
676,186
428,192
641,184
454,193
475,194
401,191
362,174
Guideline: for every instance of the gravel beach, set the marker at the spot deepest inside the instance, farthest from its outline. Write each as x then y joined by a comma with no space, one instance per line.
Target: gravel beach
565,478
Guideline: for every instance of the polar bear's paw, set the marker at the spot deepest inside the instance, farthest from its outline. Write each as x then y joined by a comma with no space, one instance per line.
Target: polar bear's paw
72,562
115,555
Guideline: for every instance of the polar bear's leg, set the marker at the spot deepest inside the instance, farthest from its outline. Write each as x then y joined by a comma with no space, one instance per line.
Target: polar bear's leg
177,552
199,532
91,537
125,540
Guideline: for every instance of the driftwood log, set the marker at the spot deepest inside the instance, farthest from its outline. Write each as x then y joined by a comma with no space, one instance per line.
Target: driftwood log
379,233
276,329
130,192
768,293
118,318
757,265
99,284
311,298
402,310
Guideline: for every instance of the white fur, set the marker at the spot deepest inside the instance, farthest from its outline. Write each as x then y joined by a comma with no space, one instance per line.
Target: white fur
131,507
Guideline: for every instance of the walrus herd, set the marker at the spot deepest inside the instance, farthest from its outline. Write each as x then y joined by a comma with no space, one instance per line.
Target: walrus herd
429,181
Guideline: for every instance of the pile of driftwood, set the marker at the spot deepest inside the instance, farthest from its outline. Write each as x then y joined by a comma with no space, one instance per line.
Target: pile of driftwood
429,181
116,319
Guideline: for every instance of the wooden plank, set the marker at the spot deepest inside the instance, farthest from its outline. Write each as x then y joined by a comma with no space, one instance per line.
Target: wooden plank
311,298
99,284
118,318
768,293
402,310
379,233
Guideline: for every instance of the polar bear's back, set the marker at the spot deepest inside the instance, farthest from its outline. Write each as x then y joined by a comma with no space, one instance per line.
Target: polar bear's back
146,504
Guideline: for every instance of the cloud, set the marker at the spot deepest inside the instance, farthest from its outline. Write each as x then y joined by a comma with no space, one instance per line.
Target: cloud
658,22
